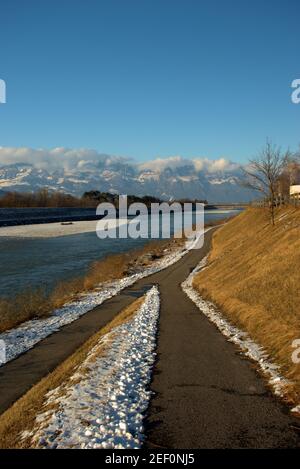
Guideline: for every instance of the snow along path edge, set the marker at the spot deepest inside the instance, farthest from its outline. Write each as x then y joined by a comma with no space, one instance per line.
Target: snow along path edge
249,348
22,338
103,404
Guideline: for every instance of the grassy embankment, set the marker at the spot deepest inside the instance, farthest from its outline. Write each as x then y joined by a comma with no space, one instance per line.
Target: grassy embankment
38,304
254,277
21,416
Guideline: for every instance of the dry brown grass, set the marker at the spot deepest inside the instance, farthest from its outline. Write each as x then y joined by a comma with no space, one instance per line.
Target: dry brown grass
21,416
37,303
24,306
254,277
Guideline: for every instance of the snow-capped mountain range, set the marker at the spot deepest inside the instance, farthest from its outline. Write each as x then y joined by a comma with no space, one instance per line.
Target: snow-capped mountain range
77,171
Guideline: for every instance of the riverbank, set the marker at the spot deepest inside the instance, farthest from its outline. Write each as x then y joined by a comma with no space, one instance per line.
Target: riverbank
99,372
33,350
49,230
42,256
40,215
41,299
67,226
199,381
104,277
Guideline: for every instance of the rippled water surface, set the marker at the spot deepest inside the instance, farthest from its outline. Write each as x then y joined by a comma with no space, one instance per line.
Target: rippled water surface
35,262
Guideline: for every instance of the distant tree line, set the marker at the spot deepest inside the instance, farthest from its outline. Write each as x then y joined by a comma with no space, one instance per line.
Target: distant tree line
146,199
42,198
99,197
45,198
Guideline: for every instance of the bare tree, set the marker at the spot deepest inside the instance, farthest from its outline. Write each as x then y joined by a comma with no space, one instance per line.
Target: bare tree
263,172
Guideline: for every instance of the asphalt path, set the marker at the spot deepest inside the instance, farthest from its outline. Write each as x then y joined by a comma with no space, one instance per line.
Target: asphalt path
205,393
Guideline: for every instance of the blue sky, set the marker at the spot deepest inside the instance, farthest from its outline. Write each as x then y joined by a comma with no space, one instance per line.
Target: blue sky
149,78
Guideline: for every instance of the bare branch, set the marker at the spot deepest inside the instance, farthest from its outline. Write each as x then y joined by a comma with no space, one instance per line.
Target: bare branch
263,173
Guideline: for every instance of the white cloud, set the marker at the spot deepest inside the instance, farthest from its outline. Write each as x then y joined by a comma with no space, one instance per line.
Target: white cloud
212,166
160,164
85,159
198,164
57,158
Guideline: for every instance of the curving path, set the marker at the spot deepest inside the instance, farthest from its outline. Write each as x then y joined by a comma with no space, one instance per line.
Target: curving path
206,395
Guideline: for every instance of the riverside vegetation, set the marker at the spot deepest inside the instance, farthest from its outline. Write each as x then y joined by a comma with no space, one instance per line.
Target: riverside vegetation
38,303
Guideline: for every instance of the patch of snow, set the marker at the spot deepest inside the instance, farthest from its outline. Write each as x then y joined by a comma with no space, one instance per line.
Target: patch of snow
235,335
29,333
216,181
296,409
8,183
148,175
104,402
108,174
78,181
187,178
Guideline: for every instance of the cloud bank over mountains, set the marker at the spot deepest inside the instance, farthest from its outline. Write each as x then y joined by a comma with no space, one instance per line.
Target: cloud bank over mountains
56,158
70,159
78,170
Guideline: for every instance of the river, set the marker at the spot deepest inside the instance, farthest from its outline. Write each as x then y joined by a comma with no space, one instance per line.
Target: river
28,263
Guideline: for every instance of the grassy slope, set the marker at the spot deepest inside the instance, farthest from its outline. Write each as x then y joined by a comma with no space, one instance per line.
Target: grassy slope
37,303
254,277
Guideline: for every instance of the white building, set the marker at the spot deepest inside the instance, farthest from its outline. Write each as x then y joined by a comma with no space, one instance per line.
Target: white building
295,191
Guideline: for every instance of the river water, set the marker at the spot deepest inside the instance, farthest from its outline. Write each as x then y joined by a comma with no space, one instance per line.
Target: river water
42,262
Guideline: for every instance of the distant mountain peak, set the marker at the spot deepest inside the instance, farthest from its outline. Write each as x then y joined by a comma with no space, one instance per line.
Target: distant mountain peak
76,173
